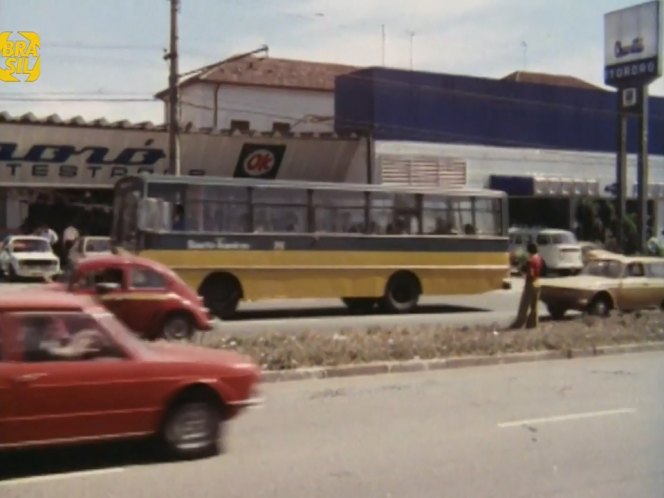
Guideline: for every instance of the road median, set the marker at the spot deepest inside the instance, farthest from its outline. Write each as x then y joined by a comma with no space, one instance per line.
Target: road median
311,355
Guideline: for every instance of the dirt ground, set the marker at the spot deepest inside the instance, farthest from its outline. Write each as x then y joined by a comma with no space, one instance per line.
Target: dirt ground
279,351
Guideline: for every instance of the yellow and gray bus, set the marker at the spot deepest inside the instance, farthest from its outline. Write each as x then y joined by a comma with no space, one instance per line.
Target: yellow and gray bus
370,245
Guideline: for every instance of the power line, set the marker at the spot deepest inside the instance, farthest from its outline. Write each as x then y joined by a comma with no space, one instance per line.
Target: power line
88,46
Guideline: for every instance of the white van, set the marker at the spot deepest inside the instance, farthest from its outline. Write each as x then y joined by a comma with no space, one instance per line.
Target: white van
559,249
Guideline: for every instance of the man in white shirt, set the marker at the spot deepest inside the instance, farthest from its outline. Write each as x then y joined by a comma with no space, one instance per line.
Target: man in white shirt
69,236
48,233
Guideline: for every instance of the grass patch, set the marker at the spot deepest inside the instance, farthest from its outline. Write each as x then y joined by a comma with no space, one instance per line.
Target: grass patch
282,351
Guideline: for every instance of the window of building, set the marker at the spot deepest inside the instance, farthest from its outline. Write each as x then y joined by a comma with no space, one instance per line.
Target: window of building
281,127
240,125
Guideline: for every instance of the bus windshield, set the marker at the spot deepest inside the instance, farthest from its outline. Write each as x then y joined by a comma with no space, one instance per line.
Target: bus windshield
127,194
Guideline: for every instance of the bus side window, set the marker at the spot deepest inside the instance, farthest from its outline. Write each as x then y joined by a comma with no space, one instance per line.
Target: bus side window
488,216
436,216
463,216
219,208
280,210
337,211
380,212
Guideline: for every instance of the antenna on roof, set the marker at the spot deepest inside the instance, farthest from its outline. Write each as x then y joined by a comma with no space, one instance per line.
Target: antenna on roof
524,45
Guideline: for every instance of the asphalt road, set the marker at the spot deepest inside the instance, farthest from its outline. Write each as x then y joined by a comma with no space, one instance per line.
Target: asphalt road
330,315
581,428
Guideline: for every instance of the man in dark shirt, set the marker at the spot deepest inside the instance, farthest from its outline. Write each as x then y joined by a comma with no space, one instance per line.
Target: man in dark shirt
528,312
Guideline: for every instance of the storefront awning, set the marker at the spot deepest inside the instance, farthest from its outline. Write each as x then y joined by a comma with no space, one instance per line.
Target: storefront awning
543,186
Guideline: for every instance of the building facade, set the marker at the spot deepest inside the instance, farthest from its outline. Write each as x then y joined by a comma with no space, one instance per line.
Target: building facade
537,141
261,94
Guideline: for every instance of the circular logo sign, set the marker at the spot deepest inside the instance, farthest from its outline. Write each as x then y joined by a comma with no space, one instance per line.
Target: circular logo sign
259,163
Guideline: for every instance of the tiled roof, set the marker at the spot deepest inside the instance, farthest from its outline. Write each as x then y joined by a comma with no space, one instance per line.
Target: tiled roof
271,72
549,79
79,122
55,119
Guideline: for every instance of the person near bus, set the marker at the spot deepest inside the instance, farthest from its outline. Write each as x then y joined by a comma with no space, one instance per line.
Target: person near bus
69,237
48,233
528,306
178,218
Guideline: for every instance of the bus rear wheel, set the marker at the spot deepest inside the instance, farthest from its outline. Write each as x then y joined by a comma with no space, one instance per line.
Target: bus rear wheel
401,293
221,294
360,304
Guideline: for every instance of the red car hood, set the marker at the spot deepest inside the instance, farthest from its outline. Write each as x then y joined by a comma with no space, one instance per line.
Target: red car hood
179,352
55,286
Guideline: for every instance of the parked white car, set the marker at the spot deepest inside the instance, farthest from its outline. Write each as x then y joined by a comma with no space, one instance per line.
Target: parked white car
28,256
86,247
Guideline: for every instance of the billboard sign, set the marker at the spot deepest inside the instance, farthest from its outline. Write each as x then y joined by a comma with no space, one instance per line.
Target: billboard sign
80,156
259,161
632,45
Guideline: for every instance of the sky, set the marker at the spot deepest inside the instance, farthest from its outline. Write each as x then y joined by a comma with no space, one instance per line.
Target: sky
104,58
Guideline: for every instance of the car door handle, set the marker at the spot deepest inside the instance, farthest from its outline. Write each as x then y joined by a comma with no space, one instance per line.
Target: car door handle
31,377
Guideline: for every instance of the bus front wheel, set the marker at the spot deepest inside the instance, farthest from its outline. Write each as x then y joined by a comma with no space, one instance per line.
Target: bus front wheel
401,293
221,294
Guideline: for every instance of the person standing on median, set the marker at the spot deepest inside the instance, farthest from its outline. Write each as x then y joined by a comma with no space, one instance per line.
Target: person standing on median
528,312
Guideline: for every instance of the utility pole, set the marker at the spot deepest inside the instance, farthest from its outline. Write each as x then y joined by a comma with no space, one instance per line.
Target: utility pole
412,35
173,107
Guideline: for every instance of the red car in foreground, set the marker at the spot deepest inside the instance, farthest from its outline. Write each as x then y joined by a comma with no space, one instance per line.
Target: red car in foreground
147,296
70,372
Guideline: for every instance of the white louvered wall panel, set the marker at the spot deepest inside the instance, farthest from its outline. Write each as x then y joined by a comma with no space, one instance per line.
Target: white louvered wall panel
423,171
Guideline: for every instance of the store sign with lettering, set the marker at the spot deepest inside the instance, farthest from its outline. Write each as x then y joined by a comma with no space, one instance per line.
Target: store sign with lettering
69,161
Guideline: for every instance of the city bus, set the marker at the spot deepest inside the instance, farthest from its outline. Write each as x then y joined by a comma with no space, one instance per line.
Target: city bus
370,245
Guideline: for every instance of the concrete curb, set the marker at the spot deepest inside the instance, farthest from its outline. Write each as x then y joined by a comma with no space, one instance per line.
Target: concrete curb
410,366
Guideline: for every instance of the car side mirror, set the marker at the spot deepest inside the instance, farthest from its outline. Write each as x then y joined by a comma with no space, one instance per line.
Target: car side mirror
106,287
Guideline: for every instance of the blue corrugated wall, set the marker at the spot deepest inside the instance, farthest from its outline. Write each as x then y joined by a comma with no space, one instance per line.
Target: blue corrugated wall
430,107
